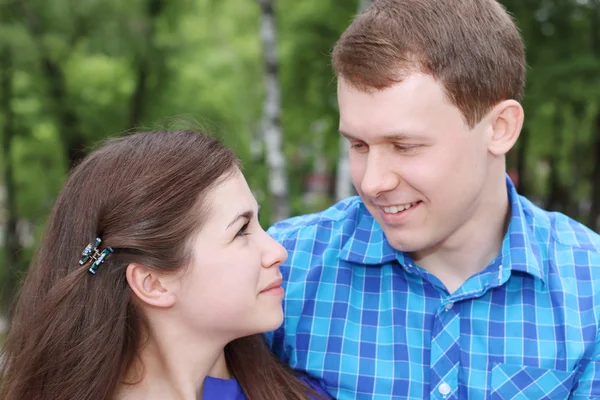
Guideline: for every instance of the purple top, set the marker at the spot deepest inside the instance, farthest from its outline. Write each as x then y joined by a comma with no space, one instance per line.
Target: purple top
229,389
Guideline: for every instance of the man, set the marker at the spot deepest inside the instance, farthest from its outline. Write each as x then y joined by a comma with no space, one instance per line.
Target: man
440,281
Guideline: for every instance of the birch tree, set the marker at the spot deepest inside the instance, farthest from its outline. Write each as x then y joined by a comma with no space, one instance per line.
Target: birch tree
343,184
271,120
8,131
52,69
12,245
594,216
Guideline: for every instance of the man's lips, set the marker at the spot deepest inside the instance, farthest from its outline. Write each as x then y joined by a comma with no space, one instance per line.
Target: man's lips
397,208
394,208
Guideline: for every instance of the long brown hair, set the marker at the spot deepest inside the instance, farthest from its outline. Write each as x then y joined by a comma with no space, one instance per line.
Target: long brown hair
75,335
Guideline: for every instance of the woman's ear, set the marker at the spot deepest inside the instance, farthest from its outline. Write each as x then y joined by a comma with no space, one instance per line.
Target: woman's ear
507,121
149,286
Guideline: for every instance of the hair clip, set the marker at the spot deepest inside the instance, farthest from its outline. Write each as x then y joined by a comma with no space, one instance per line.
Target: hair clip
91,252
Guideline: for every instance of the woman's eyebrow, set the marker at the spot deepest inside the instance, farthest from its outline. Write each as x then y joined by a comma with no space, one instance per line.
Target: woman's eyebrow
246,215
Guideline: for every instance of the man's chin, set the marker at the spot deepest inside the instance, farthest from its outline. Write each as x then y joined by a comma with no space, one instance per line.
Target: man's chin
403,243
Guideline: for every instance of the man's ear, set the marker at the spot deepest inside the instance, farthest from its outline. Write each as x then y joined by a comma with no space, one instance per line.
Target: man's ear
507,121
149,286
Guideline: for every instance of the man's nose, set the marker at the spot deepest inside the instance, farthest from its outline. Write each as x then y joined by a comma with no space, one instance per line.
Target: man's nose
379,176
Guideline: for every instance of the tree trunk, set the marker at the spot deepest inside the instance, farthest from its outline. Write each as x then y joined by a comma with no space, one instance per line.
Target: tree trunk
69,130
71,135
363,4
318,183
522,161
137,103
557,199
271,122
12,247
343,181
139,97
558,196
595,209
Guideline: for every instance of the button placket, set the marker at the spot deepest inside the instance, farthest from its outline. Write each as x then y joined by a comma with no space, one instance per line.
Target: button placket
444,389
445,353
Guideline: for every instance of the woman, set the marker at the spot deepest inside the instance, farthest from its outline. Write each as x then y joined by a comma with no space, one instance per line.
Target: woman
153,281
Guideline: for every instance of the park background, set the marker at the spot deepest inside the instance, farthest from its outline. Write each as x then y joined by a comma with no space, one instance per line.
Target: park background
258,74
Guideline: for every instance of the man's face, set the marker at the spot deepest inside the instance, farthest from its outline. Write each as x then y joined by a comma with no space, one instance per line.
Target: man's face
419,168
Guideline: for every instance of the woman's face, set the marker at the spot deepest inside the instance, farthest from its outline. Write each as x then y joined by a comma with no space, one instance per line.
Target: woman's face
233,285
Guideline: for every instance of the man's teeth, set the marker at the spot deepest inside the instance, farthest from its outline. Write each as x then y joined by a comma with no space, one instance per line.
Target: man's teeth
397,209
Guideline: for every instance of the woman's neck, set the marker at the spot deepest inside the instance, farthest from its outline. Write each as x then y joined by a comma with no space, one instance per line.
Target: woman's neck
173,367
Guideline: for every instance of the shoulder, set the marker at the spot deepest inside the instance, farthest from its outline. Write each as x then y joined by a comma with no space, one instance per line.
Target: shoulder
341,218
558,229
557,232
570,250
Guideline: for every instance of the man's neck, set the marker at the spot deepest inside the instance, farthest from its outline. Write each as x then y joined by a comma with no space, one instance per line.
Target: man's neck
472,247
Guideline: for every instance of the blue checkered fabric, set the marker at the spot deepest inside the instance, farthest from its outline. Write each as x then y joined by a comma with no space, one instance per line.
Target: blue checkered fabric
371,324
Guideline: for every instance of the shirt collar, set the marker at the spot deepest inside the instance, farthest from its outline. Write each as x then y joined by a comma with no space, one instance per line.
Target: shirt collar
520,252
367,244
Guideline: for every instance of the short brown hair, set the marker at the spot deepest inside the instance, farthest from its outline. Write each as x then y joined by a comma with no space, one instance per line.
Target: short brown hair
472,47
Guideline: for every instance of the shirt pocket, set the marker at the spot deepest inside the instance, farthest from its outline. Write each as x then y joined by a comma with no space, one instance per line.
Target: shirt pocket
518,382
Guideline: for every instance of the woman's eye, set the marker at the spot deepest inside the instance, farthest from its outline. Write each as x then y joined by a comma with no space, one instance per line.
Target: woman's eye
243,230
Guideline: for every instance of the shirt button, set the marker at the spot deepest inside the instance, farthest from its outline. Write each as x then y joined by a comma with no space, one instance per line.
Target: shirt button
449,306
444,389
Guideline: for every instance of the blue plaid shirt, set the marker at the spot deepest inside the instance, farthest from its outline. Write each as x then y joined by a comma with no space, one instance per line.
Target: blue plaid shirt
371,324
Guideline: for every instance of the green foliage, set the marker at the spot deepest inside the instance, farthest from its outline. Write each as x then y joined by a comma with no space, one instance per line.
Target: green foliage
203,60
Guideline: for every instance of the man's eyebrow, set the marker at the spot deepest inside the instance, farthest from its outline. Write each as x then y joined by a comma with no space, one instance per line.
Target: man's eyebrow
397,137
392,137
347,135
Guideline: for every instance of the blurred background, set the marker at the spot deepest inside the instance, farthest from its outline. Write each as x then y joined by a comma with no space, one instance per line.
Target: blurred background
257,73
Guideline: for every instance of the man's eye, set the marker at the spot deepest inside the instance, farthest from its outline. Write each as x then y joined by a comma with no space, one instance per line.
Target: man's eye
358,146
243,230
405,147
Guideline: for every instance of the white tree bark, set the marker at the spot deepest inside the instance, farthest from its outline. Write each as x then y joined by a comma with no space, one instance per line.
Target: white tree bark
343,183
318,184
363,4
271,123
